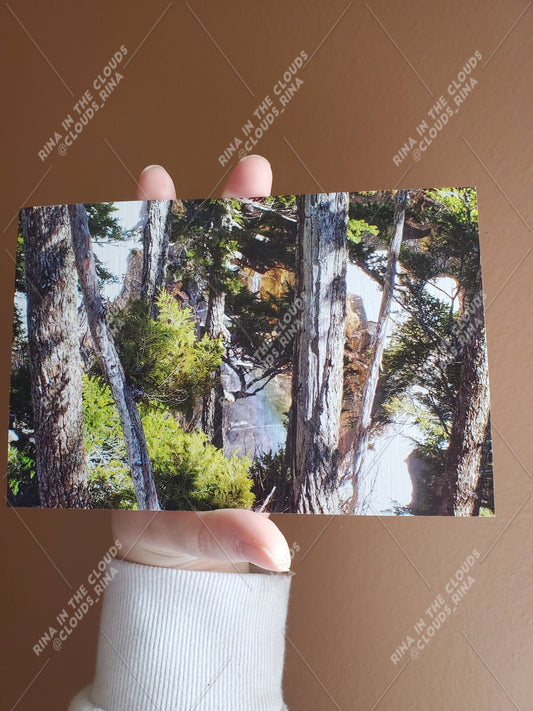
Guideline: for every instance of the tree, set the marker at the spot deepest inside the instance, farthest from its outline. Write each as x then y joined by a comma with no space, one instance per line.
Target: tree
435,366
55,366
137,451
212,411
456,248
317,381
205,230
459,491
155,238
378,345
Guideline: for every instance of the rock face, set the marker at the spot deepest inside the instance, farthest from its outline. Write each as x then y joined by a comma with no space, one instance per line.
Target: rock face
131,286
359,334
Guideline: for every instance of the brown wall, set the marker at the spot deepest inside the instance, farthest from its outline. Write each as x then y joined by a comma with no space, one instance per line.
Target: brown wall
360,584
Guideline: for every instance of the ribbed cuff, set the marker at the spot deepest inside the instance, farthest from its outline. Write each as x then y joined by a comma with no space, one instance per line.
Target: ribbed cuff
182,639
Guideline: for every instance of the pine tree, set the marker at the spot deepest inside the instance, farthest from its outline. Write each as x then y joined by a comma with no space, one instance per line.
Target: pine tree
55,366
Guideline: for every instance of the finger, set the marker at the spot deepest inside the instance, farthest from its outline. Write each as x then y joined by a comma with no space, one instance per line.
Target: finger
251,177
227,535
155,184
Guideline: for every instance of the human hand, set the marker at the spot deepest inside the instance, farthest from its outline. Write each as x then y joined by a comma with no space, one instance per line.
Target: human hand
225,540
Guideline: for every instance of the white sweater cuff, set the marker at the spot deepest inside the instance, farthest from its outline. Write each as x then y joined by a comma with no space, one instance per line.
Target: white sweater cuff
182,639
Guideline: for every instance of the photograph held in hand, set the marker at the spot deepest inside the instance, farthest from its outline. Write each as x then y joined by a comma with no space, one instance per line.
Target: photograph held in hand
321,353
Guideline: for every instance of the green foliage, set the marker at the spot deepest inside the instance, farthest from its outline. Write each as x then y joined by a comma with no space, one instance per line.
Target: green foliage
421,366
224,242
218,242
416,355
359,228
111,487
23,488
189,472
163,358
20,282
280,202
434,433
423,356
374,208
209,241
263,328
103,225
483,511
452,249
108,479
370,220
102,429
268,238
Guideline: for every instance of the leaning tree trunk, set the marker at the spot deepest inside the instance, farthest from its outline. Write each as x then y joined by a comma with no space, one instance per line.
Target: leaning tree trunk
55,365
459,491
213,404
371,382
136,449
155,250
317,381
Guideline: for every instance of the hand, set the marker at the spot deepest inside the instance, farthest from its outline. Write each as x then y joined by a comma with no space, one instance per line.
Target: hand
225,540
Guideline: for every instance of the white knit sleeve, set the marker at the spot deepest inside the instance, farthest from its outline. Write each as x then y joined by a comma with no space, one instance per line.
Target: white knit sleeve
182,639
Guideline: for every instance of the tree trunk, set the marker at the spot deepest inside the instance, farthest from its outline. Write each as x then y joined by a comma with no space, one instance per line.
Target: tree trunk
371,383
213,404
55,364
458,495
156,234
213,408
136,449
317,381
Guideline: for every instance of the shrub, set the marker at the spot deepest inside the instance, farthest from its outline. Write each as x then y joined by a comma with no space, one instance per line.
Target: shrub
189,472
163,358
108,478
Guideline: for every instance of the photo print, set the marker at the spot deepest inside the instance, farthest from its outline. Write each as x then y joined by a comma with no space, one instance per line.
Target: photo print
321,353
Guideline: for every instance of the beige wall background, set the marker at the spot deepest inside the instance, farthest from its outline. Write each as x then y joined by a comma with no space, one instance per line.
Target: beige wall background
195,73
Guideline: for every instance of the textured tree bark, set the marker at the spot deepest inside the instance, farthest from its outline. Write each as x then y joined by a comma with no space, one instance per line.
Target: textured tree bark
317,384
213,409
459,491
55,365
136,449
213,404
156,234
371,383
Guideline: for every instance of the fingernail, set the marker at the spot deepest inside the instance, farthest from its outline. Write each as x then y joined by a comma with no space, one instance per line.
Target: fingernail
266,558
149,167
254,155
282,562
